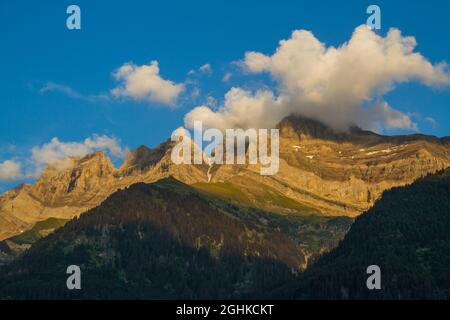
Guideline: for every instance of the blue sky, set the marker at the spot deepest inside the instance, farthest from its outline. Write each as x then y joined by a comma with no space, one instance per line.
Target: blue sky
37,50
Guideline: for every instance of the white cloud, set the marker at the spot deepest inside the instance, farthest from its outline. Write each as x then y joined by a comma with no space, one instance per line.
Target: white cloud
70,92
227,76
206,68
211,102
383,116
433,123
329,84
9,170
59,154
195,93
241,109
104,142
145,83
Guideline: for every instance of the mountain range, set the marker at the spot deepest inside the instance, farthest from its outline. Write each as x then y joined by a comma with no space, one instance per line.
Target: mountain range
321,171
154,229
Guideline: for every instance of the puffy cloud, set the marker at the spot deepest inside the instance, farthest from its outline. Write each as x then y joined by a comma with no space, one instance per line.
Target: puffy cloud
333,85
383,116
241,109
257,62
354,71
9,170
104,142
145,83
59,154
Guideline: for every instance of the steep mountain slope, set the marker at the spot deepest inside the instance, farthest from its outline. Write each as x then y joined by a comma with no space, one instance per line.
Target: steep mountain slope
12,247
336,173
406,233
162,240
345,173
67,193
320,171
246,192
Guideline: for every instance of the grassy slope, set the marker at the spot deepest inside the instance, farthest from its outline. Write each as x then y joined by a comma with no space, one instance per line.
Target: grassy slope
249,193
13,247
39,230
314,232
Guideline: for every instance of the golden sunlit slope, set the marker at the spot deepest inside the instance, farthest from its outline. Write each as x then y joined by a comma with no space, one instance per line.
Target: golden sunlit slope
320,171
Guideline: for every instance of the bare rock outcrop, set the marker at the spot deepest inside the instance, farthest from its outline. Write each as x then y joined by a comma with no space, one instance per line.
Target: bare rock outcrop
338,173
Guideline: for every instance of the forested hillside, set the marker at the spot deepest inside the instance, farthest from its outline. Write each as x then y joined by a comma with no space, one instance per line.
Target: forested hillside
406,233
163,240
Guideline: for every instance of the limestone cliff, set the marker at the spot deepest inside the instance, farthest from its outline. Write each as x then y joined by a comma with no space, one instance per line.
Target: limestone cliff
334,173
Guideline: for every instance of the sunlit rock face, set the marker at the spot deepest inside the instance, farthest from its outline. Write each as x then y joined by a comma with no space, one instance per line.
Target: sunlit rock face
334,173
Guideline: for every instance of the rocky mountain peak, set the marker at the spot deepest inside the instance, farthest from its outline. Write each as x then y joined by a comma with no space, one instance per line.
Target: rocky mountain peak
142,158
296,126
97,156
299,125
337,173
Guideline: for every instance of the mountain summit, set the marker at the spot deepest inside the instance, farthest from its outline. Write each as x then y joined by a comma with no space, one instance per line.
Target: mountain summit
320,171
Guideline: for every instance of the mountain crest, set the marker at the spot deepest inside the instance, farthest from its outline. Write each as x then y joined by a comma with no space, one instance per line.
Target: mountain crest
142,158
336,173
